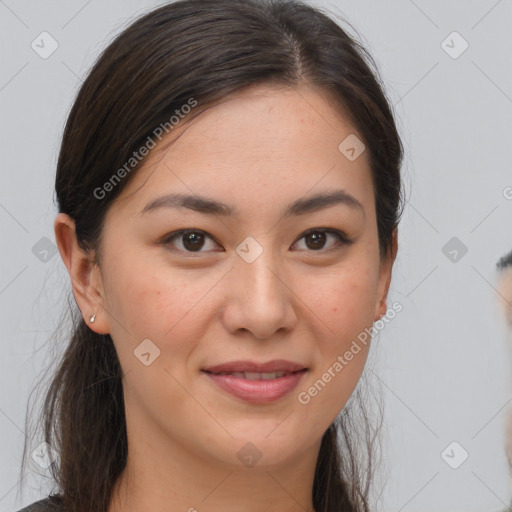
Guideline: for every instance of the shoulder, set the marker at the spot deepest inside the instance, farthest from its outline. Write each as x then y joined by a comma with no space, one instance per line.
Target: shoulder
50,504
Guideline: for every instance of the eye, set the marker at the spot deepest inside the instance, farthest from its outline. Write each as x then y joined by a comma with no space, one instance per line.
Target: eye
193,240
316,238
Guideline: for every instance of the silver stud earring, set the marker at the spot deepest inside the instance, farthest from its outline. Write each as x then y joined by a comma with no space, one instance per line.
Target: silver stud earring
93,317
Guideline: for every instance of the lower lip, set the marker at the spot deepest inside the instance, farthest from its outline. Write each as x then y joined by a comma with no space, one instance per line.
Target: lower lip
258,391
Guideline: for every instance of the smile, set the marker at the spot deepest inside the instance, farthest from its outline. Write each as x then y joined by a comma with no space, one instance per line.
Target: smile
256,387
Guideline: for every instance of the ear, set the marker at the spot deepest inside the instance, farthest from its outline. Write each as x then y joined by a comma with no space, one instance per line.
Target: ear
386,266
84,273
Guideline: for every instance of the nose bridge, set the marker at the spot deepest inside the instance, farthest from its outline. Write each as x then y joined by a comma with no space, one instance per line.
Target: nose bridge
257,267
260,302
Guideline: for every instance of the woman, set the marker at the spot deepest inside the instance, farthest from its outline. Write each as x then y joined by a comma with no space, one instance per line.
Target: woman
504,267
229,193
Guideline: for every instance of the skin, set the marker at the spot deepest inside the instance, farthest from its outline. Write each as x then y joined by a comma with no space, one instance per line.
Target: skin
505,293
505,302
257,151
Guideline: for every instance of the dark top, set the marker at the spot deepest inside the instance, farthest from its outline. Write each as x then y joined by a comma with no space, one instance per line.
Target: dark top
50,504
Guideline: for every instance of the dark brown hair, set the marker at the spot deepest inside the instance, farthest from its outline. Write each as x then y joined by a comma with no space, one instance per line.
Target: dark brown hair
204,50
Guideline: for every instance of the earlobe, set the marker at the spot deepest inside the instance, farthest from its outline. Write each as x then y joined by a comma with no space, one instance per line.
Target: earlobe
84,274
380,310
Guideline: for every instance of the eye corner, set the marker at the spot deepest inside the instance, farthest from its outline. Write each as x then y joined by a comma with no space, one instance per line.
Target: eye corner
343,240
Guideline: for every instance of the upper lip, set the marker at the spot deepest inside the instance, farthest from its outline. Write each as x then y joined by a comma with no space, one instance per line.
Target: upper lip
277,365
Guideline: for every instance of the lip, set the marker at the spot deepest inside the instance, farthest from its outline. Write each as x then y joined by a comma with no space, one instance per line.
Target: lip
260,391
277,365
257,391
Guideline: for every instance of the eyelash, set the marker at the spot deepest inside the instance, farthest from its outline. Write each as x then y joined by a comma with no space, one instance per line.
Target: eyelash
343,240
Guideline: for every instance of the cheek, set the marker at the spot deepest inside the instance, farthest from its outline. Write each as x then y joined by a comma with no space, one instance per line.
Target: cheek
168,306
343,302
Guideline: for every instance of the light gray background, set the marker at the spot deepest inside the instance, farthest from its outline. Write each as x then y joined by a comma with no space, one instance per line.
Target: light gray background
444,362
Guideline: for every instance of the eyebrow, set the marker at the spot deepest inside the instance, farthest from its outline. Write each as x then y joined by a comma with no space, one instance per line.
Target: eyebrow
210,206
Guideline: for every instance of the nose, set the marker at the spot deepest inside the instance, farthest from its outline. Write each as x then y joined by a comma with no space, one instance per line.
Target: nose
258,299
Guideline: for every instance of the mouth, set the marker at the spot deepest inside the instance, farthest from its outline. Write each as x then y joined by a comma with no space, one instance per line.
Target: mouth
257,383
256,375
278,366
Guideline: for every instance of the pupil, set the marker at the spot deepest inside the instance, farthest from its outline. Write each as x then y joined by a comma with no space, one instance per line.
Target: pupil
316,238
193,241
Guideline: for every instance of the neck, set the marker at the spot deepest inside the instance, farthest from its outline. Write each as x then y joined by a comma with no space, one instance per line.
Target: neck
162,475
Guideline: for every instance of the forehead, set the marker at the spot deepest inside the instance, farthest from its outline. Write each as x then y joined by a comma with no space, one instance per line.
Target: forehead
268,143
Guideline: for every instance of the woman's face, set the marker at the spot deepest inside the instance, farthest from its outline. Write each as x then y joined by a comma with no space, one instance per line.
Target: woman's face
246,282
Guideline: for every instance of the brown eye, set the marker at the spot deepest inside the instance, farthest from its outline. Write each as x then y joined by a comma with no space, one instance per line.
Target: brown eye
192,240
316,239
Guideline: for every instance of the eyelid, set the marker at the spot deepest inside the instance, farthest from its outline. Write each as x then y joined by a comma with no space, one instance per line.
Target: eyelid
341,234
177,234
343,239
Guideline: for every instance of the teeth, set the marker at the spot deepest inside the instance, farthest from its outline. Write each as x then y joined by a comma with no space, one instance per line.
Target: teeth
255,375
268,376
